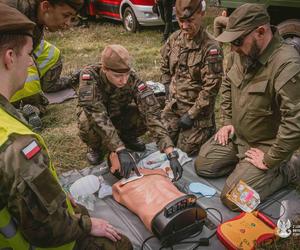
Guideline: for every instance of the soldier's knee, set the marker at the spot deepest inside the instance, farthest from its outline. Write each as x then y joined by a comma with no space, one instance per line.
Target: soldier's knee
200,164
204,166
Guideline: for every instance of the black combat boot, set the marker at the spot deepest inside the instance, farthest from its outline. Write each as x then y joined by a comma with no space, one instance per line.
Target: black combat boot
31,114
93,156
134,144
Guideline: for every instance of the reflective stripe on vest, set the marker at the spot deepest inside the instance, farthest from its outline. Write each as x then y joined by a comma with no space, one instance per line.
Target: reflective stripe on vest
46,56
31,87
10,236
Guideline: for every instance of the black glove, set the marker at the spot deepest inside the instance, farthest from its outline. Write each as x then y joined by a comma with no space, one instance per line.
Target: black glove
175,165
127,162
185,122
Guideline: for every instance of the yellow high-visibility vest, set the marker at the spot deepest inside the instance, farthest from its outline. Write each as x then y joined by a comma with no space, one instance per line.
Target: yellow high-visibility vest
10,235
46,55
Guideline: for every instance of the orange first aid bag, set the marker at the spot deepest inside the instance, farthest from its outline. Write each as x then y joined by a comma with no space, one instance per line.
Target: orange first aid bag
246,230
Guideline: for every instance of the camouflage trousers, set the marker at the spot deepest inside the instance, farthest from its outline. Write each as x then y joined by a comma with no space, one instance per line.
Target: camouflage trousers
52,81
129,124
189,140
215,160
100,243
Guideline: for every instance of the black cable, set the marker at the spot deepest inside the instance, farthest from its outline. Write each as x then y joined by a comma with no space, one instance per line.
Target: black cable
214,233
144,242
270,215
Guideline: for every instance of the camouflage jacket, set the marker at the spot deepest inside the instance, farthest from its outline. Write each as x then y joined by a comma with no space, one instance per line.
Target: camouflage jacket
33,197
193,68
102,101
29,8
262,101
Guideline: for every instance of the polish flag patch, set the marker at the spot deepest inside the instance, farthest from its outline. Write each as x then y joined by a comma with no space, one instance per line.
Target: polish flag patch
31,150
142,87
86,77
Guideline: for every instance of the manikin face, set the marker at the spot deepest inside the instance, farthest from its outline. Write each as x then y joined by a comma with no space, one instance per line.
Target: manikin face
191,26
119,80
22,61
56,17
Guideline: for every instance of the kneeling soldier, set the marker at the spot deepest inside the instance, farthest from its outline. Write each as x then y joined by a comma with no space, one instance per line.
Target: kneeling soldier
115,108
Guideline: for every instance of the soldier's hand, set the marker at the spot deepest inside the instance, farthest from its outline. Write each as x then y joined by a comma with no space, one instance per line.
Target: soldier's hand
185,122
176,168
102,228
127,163
223,135
256,157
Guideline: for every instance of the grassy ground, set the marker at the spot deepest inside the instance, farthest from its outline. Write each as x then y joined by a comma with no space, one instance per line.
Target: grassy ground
83,46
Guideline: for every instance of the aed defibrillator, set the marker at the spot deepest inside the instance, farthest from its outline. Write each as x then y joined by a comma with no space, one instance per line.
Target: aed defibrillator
165,211
246,231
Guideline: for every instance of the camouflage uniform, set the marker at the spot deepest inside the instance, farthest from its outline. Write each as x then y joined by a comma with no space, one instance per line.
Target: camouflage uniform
36,201
109,116
193,70
262,103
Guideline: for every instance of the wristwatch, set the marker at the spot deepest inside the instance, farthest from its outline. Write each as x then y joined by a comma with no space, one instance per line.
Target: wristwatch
173,154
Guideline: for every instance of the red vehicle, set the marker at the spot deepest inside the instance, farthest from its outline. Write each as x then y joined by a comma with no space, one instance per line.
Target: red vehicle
133,13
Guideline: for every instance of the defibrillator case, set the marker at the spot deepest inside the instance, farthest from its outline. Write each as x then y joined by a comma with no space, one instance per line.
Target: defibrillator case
246,231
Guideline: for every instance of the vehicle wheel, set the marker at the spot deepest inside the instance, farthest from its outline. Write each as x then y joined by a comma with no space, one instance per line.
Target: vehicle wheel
289,28
129,20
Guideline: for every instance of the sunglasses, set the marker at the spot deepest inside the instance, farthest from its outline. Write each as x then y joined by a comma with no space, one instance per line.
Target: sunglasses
240,40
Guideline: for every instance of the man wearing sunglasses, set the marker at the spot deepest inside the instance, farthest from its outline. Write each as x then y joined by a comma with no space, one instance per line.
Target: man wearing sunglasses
260,108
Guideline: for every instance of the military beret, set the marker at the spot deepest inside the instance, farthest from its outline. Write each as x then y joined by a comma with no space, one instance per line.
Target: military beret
75,4
186,8
116,58
243,20
14,22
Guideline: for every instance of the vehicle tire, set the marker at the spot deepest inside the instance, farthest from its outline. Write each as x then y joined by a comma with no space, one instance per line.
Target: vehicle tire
129,20
289,28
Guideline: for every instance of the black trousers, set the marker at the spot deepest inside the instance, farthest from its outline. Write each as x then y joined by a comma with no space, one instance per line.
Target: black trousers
166,10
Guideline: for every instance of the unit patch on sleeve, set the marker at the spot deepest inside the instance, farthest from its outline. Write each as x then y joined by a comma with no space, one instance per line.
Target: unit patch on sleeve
31,150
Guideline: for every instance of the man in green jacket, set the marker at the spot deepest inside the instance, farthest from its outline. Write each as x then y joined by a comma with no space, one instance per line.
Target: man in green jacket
260,108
